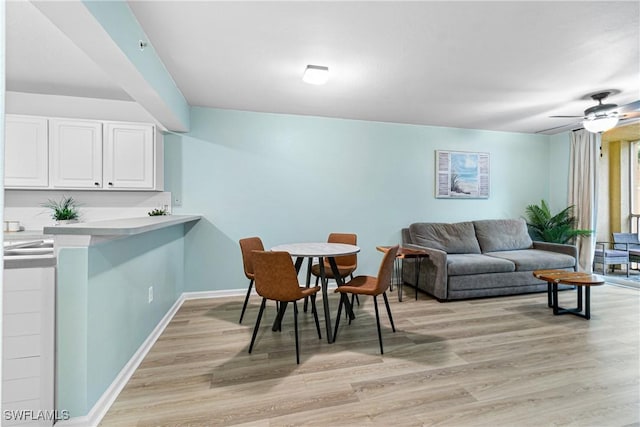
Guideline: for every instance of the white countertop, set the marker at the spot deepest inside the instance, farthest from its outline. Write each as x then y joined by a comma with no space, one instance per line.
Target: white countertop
120,227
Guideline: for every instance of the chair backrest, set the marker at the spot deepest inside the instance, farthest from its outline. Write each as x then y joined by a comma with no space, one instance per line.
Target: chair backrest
386,269
349,239
631,240
247,246
275,276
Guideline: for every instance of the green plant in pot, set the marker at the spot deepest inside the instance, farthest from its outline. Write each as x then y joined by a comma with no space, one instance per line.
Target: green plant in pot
558,228
159,212
64,210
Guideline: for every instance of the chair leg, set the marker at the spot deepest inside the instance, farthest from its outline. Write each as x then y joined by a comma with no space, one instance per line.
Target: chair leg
246,300
335,330
308,282
356,295
255,329
386,302
315,314
295,326
627,264
375,304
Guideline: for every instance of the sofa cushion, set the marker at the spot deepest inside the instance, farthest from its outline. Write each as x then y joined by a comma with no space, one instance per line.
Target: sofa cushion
458,238
464,264
502,234
534,259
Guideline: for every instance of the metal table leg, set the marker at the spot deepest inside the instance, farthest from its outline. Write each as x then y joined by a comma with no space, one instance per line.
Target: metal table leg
557,310
399,264
277,322
308,283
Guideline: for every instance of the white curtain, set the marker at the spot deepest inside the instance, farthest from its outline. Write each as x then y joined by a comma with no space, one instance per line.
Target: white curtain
583,191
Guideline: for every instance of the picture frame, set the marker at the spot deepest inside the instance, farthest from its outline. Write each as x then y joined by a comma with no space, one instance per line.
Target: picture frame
462,175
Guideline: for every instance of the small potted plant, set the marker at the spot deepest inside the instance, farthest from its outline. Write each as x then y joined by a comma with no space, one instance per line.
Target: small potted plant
159,212
64,211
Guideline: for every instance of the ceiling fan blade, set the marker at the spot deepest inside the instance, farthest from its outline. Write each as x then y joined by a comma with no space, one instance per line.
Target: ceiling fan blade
575,125
565,117
632,107
630,115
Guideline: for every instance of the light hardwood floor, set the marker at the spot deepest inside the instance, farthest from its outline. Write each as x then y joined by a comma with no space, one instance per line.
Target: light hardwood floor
501,362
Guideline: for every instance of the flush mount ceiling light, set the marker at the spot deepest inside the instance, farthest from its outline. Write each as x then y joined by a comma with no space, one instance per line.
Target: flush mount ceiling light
600,123
316,74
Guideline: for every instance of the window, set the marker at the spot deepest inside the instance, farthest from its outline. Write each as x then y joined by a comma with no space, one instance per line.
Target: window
634,184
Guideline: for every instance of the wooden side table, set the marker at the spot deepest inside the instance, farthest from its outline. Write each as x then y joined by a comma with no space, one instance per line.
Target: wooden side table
580,280
406,253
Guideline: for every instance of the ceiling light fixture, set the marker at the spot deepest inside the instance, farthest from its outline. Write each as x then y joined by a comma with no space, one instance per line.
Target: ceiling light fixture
599,124
316,74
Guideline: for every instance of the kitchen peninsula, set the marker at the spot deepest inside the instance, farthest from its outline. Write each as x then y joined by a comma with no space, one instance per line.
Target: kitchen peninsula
117,281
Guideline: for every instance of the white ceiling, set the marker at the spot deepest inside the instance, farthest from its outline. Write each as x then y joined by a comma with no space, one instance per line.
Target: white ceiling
502,66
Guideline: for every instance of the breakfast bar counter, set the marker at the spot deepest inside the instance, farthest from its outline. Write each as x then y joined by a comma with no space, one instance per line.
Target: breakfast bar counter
117,281
121,227
91,233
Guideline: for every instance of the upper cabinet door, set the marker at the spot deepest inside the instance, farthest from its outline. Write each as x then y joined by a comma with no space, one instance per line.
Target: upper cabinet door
26,161
76,153
129,156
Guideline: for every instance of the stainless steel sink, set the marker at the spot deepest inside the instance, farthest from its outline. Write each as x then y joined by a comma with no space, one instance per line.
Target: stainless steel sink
28,248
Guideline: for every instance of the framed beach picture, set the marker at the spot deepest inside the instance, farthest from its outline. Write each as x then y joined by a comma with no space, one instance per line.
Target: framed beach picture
462,175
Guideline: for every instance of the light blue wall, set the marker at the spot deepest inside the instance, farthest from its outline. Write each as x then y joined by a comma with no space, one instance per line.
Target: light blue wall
559,146
103,310
296,178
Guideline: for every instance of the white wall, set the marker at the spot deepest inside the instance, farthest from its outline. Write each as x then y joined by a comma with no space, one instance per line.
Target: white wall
26,205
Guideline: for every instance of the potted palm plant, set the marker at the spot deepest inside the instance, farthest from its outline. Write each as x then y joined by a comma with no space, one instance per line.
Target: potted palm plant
63,211
558,228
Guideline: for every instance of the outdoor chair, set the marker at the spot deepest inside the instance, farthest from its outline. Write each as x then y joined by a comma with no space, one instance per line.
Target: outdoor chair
628,242
605,255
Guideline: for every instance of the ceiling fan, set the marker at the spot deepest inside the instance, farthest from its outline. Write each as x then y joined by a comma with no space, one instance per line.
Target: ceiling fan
602,117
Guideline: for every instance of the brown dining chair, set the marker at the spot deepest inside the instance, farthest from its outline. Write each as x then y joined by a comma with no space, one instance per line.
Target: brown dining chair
374,286
346,264
276,279
247,246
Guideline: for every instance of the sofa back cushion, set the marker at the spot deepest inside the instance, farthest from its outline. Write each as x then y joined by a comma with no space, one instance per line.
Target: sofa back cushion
502,235
458,238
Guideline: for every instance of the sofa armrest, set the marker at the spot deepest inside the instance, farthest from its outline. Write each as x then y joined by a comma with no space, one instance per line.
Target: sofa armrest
433,271
571,250
406,236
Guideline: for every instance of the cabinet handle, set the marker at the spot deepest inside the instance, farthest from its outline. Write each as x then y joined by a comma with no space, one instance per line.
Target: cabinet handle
111,183
97,184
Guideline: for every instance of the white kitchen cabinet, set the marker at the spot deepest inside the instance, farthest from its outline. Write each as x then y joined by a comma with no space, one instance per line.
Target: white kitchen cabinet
129,156
76,153
26,152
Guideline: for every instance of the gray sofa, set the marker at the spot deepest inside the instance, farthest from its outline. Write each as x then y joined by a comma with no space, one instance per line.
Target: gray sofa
481,258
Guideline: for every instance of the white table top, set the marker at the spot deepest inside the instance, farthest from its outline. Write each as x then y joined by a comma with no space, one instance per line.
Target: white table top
317,249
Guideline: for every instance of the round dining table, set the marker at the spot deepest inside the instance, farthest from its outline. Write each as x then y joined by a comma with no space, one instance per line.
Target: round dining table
330,251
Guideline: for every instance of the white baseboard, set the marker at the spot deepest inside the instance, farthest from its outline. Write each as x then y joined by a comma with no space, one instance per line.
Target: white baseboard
99,410
214,294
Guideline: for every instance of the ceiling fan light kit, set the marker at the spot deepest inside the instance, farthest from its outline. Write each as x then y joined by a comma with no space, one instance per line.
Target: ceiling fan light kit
603,117
600,124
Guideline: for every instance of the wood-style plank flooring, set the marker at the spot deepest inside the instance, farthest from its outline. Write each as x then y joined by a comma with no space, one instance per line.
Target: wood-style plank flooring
500,361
